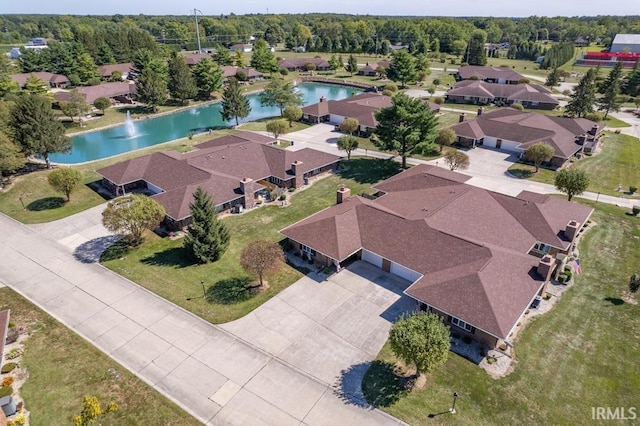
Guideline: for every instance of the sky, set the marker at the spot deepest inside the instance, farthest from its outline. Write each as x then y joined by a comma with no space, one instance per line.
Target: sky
510,8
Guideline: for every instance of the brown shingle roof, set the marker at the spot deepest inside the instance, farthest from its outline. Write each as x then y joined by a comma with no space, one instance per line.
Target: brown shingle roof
106,70
294,63
470,244
47,77
492,73
194,58
510,92
107,90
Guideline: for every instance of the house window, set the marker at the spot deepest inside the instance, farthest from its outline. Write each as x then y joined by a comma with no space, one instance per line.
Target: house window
308,252
463,325
540,248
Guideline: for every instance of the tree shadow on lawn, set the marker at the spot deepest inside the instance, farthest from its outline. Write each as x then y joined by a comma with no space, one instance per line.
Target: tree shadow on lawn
47,203
175,256
117,250
521,173
375,383
364,170
615,301
230,291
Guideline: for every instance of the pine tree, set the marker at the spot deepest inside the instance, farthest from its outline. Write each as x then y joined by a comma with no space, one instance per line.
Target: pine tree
610,89
151,88
208,77
583,96
402,67
234,104
476,54
207,238
262,58
181,83
631,85
553,78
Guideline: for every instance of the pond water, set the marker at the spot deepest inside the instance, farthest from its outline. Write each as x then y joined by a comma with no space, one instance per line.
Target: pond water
130,136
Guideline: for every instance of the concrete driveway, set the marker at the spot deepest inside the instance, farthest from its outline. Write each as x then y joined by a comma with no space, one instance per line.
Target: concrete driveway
488,162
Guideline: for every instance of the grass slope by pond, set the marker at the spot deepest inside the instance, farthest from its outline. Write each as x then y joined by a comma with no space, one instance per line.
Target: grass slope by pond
63,368
581,354
162,266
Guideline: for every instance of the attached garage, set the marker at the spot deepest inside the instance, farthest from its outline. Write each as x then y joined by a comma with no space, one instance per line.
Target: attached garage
502,144
404,272
372,258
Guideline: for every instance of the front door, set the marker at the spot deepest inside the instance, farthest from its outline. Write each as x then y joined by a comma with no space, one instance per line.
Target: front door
386,265
499,143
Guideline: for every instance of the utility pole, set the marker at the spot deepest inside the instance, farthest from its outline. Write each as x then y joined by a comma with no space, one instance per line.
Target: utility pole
195,13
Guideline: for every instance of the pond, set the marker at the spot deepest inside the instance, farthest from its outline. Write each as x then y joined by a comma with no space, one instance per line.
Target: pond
141,134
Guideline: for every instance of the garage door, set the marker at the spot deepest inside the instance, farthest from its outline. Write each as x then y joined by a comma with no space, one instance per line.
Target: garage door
403,272
510,146
372,258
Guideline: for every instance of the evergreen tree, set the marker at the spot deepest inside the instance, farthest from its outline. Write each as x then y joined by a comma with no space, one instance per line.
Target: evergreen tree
181,83
402,67
11,157
553,78
105,55
85,68
223,56
610,101
476,54
207,238
238,59
234,104
36,129
352,65
583,96
208,77
152,88
631,85
262,58
334,64
35,86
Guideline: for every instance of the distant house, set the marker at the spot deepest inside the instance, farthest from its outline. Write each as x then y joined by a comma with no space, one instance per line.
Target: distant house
234,170
193,58
475,257
514,131
480,92
397,46
371,69
361,107
36,44
299,49
300,64
116,91
106,71
251,73
14,53
500,75
245,48
626,43
57,81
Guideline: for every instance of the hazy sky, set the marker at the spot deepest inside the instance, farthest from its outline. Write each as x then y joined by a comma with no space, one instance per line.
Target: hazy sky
368,7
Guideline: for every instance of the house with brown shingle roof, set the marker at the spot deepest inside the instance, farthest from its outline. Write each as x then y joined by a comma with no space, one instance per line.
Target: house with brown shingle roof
116,91
106,71
481,92
514,131
193,58
53,80
233,169
371,69
300,64
499,75
251,73
473,256
361,107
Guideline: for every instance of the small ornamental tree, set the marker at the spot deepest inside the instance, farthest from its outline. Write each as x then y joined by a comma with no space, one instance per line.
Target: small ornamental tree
538,153
445,137
277,127
65,180
131,215
348,144
92,411
349,125
102,103
456,160
420,339
262,258
292,113
207,238
572,182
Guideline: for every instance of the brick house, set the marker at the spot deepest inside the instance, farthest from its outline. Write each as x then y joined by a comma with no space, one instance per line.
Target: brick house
482,93
499,75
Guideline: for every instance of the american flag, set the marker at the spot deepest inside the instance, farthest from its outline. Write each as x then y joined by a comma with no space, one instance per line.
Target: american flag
576,266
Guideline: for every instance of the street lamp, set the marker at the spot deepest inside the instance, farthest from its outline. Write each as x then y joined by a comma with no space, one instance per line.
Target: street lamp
204,292
453,406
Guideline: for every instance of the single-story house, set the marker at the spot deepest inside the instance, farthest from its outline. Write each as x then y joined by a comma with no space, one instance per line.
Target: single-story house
500,75
121,92
371,70
476,257
58,81
193,58
107,70
233,169
300,64
361,107
481,92
245,48
514,131
251,73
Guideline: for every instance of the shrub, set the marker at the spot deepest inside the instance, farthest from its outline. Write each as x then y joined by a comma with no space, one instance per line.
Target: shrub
18,420
13,353
439,100
491,360
8,367
12,335
386,92
517,106
6,391
569,274
292,189
633,189
635,210
7,381
392,87
594,116
436,81
12,324
282,197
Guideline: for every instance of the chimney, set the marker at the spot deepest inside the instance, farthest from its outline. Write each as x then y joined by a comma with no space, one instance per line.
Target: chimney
246,187
571,231
296,167
480,111
342,194
581,139
594,130
461,118
546,266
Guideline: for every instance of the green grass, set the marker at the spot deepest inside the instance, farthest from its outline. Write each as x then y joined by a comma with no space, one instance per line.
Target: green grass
611,121
162,266
63,368
580,354
527,171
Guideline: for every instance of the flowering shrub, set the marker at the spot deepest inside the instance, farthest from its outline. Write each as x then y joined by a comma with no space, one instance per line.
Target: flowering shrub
7,381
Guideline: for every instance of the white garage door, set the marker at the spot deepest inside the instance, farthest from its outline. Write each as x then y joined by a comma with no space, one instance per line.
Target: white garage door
372,258
510,146
403,272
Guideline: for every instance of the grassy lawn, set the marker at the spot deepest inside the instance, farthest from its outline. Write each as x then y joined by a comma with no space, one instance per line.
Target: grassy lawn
572,358
162,266
63,368
618,163
261,126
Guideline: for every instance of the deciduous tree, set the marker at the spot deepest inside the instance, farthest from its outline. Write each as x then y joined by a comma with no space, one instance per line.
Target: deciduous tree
402,67
280,93
292,113
234,104
352,65
349,125
538,153
277,127
445,137
207,238
102,103
572,181
65,180
262,258
131,215
11,157
456,160
421,340
348,144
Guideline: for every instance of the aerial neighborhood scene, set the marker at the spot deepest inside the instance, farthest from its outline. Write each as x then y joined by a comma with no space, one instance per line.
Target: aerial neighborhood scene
345,213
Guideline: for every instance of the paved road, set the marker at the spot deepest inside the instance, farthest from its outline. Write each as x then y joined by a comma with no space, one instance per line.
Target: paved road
215,373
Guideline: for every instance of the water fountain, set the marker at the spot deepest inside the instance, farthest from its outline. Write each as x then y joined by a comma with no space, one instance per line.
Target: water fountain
129,126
